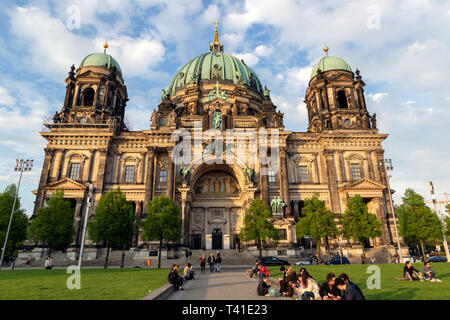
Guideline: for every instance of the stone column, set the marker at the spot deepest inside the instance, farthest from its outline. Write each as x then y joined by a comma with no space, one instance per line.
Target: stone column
376,170
149,177
332,185
284,185
337,163
87,166
44,178
264,186
170,173
98,184
381,215
184,193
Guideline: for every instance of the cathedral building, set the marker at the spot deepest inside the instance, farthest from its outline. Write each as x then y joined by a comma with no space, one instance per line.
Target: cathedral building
340,155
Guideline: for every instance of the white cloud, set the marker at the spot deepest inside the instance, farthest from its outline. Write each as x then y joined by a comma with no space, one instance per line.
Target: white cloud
264,51
249,58
5,98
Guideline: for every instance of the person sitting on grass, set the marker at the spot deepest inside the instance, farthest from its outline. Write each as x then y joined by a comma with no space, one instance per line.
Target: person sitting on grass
188,272
410,273
263,287
328,290
175,279
307,288
352,287
351,290
428,273
289,277
255,269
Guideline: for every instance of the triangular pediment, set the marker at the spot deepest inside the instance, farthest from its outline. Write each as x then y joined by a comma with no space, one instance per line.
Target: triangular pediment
66,184
363,184
89,73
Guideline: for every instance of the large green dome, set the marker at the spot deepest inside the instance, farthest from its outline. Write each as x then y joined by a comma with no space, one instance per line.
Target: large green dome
330,63
215,65
100,60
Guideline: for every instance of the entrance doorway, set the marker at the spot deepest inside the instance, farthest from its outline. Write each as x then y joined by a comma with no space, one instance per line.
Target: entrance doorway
196,241
217,239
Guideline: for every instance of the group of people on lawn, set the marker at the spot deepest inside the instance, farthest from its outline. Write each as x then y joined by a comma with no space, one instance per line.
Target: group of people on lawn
303,286
428,274
188,274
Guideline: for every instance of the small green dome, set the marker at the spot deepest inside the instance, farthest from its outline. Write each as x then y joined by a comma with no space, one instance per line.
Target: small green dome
100,60
330,63
212,66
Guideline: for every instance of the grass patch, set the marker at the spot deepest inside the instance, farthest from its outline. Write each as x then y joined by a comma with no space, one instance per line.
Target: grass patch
391,289
96,284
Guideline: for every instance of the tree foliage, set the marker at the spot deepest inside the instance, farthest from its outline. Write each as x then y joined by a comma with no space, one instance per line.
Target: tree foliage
113,221
162,222
54,224
18,231
257,225
357,223
317,223
417,222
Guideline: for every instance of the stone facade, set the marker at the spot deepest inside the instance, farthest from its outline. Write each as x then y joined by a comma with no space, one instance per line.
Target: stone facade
339,156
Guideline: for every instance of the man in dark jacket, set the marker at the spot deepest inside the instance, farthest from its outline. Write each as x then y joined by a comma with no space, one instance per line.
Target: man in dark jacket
351,290
175,279
211,260
263,287
329,290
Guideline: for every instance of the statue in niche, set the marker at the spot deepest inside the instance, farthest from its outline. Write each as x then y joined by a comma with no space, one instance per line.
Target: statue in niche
277,205
185,173
217,120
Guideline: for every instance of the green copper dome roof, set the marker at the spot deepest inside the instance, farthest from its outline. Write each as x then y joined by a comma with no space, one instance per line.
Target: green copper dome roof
100,60
216,65
330,63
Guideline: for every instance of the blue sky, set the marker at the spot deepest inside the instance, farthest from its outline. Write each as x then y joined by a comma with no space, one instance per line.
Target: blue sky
401,47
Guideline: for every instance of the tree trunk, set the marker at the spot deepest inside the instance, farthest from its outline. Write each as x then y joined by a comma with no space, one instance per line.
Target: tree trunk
260,248
363,251
105,266
160,250
318,251
423,251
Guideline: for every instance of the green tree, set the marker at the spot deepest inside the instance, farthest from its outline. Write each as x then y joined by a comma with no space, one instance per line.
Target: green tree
53,224
113,221
18,231
417,222
317,223
358,224
257,225
162,222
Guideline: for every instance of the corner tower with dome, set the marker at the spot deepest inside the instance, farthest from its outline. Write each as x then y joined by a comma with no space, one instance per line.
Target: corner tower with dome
338,156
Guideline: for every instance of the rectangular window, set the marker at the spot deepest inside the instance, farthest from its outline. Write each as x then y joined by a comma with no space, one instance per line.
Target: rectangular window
129,174
75,171
356,172
303,172
163,176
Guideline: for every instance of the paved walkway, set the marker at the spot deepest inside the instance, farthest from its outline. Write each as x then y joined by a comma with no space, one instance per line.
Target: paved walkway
230,284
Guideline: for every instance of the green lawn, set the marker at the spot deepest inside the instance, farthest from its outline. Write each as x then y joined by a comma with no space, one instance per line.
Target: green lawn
391,289
96,284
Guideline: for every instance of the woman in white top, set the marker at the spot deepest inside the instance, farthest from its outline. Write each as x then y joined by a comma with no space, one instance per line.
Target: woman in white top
308,288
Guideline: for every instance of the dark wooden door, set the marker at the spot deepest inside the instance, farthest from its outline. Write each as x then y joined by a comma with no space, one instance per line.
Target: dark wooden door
217,239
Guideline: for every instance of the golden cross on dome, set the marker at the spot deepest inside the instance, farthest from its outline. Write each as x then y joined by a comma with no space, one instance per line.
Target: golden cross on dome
216,23
105,46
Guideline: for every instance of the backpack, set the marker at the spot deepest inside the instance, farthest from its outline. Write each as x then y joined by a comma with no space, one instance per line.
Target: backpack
273,292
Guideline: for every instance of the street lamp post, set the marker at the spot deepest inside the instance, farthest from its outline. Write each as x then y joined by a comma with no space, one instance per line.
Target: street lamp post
441,218
21,166
387,166
86,216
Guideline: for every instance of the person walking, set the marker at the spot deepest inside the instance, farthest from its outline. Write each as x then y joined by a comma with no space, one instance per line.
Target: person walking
211,261
218,261
202,263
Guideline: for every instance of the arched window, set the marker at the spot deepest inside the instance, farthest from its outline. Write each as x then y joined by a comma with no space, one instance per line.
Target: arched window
88,97
342,99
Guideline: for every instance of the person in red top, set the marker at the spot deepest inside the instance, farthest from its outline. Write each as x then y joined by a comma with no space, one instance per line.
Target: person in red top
262,271
202,263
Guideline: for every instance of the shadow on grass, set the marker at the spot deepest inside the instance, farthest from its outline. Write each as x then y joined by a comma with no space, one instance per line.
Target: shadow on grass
397,294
